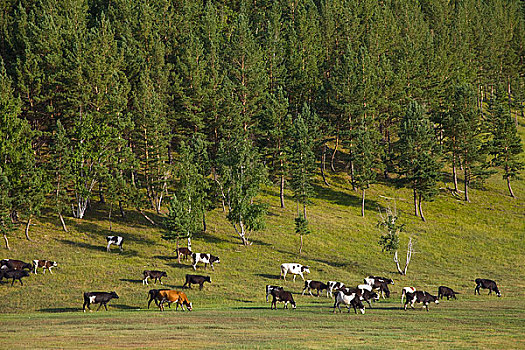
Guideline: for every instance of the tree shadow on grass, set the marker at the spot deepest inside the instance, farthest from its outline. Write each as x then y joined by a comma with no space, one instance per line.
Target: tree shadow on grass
130,280
267,275
122,307
98,248
342,198
61,309
101,233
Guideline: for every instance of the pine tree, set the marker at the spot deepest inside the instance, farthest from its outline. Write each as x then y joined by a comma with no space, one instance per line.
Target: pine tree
505,146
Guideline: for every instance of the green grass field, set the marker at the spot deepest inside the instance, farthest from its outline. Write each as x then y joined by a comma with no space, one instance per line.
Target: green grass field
458,243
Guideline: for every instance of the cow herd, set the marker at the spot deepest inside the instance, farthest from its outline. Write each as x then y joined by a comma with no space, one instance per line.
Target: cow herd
371,290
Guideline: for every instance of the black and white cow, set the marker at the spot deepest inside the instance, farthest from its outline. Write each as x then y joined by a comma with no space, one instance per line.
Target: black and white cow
196,279
406,290
117,240
14,274
486,284
101,298
351,299
333,286
269,289
12,264
364,292
157,275
379,283
204,258
282,296
317,285
420,297
44,264
295,269
446,292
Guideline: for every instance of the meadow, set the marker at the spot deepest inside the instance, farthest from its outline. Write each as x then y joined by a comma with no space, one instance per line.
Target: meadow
459,242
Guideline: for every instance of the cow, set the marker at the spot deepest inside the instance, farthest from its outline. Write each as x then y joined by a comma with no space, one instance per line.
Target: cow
363,291
152,295
379,283
295,269
205,258
284,296
183,253
317,285
406,290
44,264
446,292
486,284
12,264
157,275
173,296
101,298
420,297
333,285
117,240
269,289
350,300
196,279
14,274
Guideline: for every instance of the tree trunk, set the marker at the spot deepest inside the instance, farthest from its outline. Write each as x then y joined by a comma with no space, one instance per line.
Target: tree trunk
416,210
466,183
421,209
62,221
121,209
146,217
204,225
27,228
101,194
6,242
510,188
109,217
281,191
363,204
189,243
323,166
332,160
454,172
301,246
178,254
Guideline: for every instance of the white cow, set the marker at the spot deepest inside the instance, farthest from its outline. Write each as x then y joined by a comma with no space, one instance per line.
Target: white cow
349,300
333,285
295,269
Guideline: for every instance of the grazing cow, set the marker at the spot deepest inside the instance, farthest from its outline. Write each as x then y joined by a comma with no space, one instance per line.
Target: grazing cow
173,296
446,292
101,298
12,264
284,296
295,269
157,275
205,258
183,253
117,240
152,295
14,274
486,284
380,284
333,285
364,292
349,300
196,279
317,285
44,264
406,290
269,289
420,297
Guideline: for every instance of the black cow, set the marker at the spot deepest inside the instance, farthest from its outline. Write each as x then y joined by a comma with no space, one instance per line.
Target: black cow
269,289
12,264
152,295
14,274
284,296
183,253
420,297
101,298
317,285
196,279
486,284
379,283
157,275
446,292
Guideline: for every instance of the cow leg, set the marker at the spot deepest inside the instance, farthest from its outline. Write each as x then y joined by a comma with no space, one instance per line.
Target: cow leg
212,268
285,305
184,285
107,248
426,306
12,283
294,277
160,280
304,290
201,285
318,293
106,306
476,289
120,246
284,276
195,267
145,281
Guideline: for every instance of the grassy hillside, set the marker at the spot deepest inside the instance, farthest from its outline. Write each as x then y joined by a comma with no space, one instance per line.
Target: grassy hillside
458,243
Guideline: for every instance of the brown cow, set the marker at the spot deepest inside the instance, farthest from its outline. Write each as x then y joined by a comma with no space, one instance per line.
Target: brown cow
173,296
